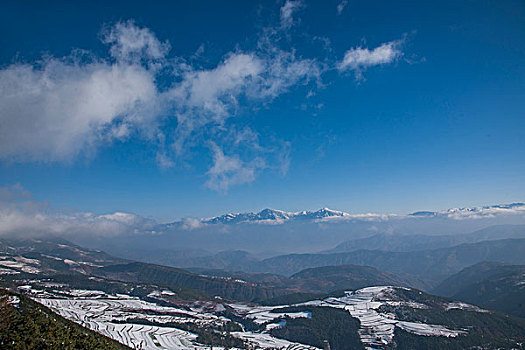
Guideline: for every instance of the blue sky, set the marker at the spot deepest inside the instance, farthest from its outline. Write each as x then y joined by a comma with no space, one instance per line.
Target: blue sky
194,108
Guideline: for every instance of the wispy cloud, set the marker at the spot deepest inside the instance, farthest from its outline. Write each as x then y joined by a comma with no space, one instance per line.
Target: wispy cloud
231,170
358,59
60,108
341,6
287,12
130,43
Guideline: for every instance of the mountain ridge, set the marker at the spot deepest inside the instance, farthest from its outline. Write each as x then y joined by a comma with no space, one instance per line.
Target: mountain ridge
491,285
269,215
406,243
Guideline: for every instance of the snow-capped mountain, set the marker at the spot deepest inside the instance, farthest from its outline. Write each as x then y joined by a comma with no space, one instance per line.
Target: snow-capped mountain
272,215
485,211
263,215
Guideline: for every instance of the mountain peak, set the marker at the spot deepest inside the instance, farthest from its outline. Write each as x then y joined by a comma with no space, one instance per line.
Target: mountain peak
269,215
472,212
327,212
275,216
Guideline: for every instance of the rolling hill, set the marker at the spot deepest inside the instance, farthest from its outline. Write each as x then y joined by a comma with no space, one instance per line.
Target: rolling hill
490,285
407,243
433,265
225,287
139,303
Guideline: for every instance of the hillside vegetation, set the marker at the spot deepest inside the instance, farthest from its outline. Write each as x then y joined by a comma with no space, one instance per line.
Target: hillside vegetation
490,285
25,324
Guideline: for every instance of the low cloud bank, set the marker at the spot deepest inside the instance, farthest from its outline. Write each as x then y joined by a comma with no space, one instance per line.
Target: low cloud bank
23,217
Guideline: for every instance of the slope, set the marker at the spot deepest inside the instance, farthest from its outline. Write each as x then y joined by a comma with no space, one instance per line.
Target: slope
433,265
491,285
26,324
407,243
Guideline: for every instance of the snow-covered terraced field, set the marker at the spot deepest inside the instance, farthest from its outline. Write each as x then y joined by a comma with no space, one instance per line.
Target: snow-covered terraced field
263,314
464,306
8,271
265,340
139,336
377,329
114,315
20,263
121,310
117,316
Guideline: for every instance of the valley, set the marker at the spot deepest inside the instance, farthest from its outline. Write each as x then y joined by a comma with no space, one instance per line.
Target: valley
146,306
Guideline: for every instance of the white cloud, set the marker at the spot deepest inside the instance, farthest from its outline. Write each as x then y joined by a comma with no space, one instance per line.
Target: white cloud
57,109
53,111
484,212
231,170
207,98
131,43
21,216
341,6
192,223
60,108
211,89
287,11
358,59
14,193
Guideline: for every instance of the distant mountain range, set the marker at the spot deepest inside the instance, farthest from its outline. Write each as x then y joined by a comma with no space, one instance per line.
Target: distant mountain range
274,232
430,265
408,243
274,216
475,211
59,260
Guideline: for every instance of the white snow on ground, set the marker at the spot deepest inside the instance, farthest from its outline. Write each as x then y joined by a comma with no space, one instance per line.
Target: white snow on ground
464,306
11,299
158,293
377,329
114,318
264,340
271,326
146,337
263,314
8,271
114,315
27,260
70,262
19,265
122,310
